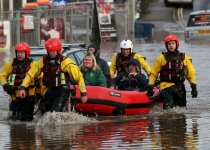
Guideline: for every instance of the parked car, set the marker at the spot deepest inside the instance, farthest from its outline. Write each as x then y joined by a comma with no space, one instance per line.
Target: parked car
186,3
198,25
75,52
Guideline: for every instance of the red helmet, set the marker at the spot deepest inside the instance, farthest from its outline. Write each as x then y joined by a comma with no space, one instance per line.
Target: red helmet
23,46
53,44
171,37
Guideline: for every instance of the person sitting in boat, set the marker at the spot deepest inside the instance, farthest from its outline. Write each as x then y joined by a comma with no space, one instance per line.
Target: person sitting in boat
92,73
120,60
131,78
57,70
11,78
100,62
173,67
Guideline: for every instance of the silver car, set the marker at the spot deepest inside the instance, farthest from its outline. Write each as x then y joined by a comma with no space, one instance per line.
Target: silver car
187,3
75,52
198,25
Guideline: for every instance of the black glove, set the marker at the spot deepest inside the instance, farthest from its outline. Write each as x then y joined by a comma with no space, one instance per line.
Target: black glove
9,89
194,91
150,91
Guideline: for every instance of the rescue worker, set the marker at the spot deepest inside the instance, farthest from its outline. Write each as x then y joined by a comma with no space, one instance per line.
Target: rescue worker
100,62
11,78
57,70
131,78
173,67
120,60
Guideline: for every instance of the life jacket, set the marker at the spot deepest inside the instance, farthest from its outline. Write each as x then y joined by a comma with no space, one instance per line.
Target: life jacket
53,74
120,64
174,70
19,70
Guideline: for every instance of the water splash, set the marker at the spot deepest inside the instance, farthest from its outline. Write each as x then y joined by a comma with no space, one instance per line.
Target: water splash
61,118
157,110
5,116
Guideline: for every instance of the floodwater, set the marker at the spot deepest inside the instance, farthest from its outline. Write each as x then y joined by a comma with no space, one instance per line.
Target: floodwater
176,129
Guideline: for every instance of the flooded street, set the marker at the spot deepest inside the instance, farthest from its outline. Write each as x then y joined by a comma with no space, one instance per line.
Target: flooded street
176,129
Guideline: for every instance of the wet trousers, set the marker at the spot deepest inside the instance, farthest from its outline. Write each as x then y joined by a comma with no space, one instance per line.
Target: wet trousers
174,95
23,108
56,99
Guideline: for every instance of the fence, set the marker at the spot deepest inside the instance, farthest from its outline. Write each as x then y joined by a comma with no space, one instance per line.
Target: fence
71,25
52,23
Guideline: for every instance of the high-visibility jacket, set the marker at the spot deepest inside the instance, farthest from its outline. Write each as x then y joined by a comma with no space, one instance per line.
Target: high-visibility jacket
14,72
53,73
161,61
145,66
67,65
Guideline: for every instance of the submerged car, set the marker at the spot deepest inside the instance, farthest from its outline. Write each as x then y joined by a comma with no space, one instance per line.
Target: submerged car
75,52
186,3
198,25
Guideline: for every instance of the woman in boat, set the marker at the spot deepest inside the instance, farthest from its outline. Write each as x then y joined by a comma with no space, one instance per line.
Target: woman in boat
92,73
131,78
100,62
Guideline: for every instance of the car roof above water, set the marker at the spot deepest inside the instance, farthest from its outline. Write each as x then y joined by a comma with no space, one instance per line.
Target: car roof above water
40,49
74,51
200,12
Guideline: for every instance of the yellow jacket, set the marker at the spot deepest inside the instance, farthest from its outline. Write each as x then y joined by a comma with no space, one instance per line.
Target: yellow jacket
145,66
6,71
67,65
161,61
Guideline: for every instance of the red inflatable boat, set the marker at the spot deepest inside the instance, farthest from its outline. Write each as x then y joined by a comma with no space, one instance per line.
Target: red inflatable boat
109,102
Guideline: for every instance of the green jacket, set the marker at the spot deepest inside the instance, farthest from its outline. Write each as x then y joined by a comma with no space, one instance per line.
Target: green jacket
95,78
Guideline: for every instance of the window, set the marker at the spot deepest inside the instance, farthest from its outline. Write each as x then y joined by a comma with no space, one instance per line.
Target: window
77,56
199,20
71,56
80,55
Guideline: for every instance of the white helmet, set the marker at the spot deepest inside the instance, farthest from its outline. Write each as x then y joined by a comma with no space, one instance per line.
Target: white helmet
126,44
